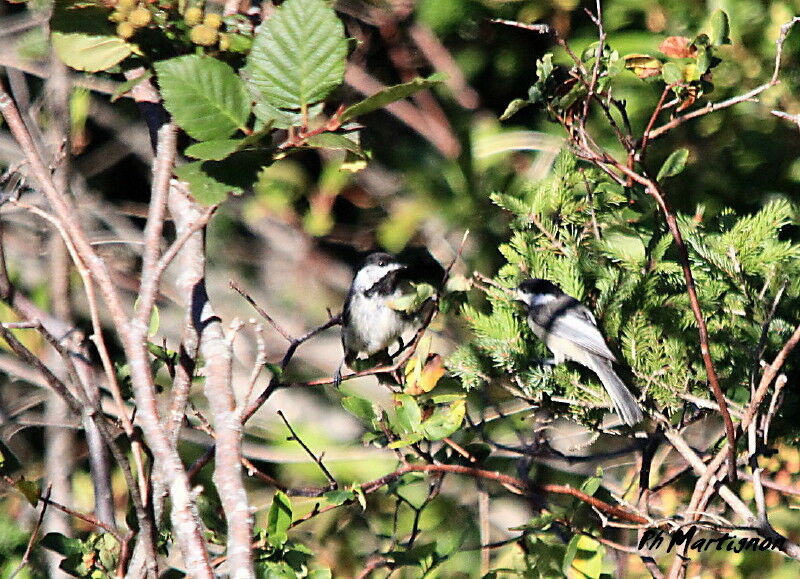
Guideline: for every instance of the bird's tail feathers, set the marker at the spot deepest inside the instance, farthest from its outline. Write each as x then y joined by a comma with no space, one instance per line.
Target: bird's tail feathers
624,403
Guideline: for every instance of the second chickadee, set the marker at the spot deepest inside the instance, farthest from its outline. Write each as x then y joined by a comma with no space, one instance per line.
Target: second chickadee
369,324
570,332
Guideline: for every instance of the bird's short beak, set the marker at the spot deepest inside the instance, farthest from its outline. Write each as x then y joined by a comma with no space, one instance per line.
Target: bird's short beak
520,297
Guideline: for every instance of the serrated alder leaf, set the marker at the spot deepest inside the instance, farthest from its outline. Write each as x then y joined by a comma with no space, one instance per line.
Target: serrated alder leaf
205,96
88,52
215,150
298,56
389,95
279,519
280,119
674,164
334,141
205,189
211,181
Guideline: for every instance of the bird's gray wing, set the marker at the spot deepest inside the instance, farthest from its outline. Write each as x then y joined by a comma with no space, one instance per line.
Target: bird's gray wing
565,317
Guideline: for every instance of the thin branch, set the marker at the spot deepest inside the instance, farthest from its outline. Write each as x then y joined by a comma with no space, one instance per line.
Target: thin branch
317,459
27,555
186,523
748,96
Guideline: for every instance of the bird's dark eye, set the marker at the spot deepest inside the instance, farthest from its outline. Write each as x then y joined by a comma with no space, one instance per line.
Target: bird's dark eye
382,263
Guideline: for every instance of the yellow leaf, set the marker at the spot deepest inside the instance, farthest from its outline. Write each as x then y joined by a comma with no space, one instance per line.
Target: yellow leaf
643,65
426,379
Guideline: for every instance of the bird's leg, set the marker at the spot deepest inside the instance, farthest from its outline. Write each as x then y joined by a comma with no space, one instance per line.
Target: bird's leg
349,358
337,376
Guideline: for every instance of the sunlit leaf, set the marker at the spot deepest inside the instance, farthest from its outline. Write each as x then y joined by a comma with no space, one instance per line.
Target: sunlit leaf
298,55
643,65
445,420
389,95
674,164
205,96
279,519
214,150
90,53
677,47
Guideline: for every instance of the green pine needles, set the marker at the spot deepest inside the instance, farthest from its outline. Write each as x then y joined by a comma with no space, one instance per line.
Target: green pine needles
607,246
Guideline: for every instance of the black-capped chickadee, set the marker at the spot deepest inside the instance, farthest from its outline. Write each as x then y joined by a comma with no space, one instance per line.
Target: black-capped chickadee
369,324
570,332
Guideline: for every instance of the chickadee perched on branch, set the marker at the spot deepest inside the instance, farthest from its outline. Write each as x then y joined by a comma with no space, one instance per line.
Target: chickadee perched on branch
569,331
369,323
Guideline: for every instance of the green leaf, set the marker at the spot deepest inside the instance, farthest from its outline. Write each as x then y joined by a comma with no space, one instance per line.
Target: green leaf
623,244
360,407
703,60
203,186
298,55
128,85
674,164
155,322
672,73
279,519
445,420
161,353
447,398
513,108
214,150
411,302
591,484
90,53
409,414
389,95
61,544
212,181
205,96
334,141
339,496
569,556
720,28
32,490
269,115
410,439
362,499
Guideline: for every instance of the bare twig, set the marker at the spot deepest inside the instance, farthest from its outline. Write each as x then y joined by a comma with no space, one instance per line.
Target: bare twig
27,555
332,484
744,97
186,524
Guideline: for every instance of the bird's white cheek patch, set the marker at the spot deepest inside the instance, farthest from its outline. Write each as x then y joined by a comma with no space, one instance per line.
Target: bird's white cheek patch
541,299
